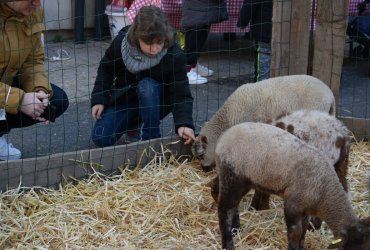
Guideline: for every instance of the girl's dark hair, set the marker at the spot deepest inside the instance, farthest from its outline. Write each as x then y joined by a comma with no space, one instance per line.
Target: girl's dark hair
151,26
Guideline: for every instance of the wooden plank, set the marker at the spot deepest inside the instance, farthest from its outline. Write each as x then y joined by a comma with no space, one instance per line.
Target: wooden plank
51,170
359,127
280,50
329,40
299,37
290,37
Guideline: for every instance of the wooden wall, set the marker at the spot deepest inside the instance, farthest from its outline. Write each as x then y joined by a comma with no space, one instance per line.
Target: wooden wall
50,171
299,48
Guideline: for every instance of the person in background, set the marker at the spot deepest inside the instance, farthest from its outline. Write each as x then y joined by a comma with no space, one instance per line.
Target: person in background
197,17
25,92
358,30
140,80
258,14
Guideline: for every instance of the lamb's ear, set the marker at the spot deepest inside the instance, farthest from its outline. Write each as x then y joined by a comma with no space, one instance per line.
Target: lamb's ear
204,139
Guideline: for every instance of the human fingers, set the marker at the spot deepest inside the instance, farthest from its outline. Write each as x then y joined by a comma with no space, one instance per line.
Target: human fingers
188,140
100,111
96,111
43,97
93,114
31,105
41,119
187,134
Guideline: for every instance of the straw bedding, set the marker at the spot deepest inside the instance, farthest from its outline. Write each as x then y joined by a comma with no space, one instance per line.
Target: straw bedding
166,205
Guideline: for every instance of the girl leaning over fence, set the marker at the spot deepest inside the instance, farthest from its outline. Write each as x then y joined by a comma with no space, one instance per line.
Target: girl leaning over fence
141,79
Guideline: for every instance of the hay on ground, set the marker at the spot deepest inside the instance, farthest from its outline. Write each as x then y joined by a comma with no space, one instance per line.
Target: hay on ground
166,205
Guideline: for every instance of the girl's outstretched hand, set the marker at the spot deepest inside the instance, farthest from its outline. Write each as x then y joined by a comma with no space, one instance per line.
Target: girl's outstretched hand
187,134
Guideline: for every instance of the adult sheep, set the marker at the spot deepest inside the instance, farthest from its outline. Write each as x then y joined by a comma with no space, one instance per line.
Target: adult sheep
266,158
262,102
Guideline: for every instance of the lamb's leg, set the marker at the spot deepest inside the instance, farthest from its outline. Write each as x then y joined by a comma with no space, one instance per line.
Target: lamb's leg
214,192
305,226
231,190
260,200
341,167
225,219
293,219
214,188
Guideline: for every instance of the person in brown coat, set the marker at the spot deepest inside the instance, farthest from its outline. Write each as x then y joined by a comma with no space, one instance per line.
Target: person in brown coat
26,96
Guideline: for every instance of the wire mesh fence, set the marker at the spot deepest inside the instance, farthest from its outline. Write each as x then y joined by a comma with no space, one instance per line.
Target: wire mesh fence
72,64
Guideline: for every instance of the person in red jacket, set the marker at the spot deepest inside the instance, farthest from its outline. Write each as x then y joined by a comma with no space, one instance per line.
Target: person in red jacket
141,79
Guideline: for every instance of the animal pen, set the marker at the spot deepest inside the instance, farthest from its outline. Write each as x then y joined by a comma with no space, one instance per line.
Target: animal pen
75,195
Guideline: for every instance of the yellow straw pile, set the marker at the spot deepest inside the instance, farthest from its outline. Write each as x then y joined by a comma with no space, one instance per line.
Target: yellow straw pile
166,205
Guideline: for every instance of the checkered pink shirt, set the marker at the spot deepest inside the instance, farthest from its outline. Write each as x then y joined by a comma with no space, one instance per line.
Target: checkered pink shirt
172,8
352,7
137,4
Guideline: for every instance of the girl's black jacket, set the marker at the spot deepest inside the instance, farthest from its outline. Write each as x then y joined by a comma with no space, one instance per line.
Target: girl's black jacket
116,85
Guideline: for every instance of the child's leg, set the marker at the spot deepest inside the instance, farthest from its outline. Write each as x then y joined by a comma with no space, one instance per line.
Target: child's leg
59,100
262,61
195,40
115,121
149,102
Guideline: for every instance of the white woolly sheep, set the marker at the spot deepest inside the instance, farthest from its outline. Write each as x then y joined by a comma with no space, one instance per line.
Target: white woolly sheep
262,102
269,159
319,129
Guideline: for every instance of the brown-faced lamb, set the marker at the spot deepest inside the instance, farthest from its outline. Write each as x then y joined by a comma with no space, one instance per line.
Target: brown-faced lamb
319,129
269,159
262,102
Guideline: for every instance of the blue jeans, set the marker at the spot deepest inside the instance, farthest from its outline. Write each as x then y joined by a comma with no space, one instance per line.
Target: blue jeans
150,108
59,99
262,61
119,119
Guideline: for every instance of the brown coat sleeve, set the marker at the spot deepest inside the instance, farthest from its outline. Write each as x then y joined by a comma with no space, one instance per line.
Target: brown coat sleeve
23,56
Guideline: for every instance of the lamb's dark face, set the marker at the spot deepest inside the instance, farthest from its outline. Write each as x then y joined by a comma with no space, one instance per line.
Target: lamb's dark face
356,237
202,152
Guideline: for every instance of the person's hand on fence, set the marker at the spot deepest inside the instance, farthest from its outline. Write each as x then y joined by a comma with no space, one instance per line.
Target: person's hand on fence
187,134
96,111
45,100
33,104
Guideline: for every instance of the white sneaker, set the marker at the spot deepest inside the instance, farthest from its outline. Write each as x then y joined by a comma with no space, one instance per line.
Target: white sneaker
194,78
203,70
7,151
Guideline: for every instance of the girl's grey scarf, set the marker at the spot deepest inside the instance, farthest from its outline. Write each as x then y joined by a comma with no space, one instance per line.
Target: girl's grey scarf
135,60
